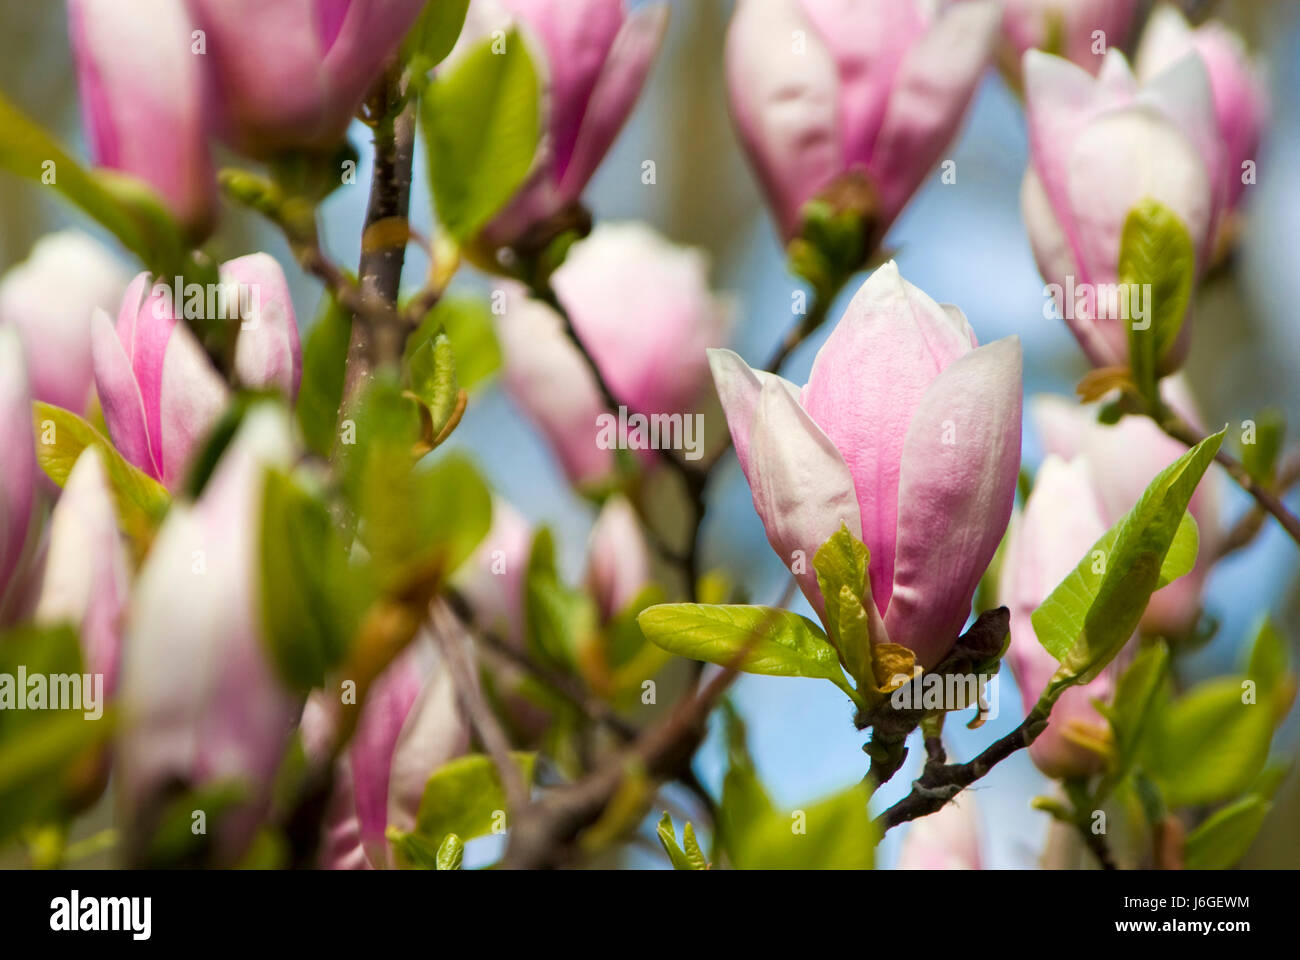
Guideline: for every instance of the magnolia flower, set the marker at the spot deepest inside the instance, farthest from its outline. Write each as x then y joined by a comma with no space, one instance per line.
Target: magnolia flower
17,466
592,58
948,839
142,99
1079,30
49,299
908,433
1124,459
201,701
643,310
159,392
618,559
1061,521
820,88
87,572
492,579
1240,92
1098,147
292,73
411,724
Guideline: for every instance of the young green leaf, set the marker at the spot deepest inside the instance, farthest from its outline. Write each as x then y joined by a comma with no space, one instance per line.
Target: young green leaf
1226,836
1093,612
482,125
324,364
559,620
1157,257
465,797
451,854
1210,744
432,371
1268,657
1259,453
312,598
434,34
692,858
1130,712
755,639
467,323
61,436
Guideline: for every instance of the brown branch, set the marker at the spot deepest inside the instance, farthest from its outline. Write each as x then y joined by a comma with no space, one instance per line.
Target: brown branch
939,784
378,330
1244,531
1268,501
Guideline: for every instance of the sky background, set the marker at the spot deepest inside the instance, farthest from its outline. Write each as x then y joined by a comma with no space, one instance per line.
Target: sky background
962,243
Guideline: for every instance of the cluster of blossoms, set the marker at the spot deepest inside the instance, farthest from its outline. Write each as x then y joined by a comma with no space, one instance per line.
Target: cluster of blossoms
907,433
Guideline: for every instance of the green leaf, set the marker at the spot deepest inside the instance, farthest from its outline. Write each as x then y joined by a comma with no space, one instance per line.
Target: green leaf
1089,617
129,209
1226,835
1260,456
451,854
1156,253
38,747
434,34
467,323
425,522
1268,657
432,370
61,436
558,619
764,640
312,598
841,565
482,125
1131,710
324,365
1210,744
464,797
692,858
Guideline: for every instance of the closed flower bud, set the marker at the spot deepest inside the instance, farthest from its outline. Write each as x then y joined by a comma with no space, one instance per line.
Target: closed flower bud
142,99
618,559
159,392
291,74
821,88
1079,30
1099,146
49,299
1241,104
201,700
906,432
592,58
17,470
1061,521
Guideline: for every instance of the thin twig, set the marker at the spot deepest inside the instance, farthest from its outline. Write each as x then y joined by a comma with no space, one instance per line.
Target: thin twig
1180,430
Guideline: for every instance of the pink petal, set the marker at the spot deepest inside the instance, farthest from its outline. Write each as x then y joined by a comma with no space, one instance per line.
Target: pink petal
18,456
267,352
783,104
191,399
618,558
960,463
802,489
119,396
739,387
935,84
867,381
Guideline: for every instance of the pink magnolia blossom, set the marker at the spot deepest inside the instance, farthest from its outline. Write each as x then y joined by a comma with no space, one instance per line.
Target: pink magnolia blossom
1099,146
86,576
908,433
1124,459
143,99
49,299
946,840
411,724
292,73
618,559
592,57
643,309
822,87
204,702
1241,104
1079,30
492,579
18,468
159,392
1059,525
